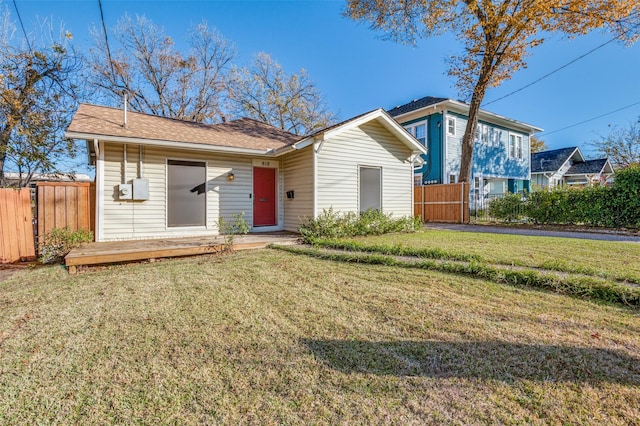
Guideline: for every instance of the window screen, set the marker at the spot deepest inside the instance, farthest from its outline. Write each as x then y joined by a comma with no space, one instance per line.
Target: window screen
186,193
370,188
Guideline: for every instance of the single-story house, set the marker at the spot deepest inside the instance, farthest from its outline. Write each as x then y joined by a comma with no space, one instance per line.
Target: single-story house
158,177
567,166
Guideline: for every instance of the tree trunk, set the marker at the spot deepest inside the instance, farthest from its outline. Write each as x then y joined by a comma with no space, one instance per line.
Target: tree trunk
466,158
4,144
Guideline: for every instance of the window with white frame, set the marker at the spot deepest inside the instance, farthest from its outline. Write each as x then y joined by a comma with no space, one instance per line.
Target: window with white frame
496,136
419,131
485,134
370,183
417,180
515,146
451,126
482,133
452,178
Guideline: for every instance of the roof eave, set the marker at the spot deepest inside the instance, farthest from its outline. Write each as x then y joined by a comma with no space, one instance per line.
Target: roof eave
464,108
417,110
381,116
171,144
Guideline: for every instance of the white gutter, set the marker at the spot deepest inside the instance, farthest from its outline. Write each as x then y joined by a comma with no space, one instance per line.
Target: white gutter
170,144
99,218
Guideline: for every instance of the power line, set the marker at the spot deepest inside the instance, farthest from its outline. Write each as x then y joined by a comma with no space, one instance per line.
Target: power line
106,38
552,72
22,26
588,120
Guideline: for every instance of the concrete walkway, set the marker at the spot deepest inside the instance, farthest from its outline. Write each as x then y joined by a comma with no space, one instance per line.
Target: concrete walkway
534,232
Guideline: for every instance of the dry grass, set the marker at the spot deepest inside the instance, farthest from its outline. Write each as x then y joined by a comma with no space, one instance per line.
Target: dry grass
617,260
268,337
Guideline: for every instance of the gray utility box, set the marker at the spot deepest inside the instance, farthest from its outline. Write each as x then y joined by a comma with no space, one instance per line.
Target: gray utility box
125,191
140,189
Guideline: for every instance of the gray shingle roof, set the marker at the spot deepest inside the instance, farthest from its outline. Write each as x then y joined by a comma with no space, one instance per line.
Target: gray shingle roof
587,167
415,104
550,161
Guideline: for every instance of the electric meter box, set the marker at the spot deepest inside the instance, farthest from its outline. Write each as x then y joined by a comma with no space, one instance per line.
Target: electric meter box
140,189
125,191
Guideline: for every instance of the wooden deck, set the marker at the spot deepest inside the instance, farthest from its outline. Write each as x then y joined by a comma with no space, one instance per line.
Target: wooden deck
127,251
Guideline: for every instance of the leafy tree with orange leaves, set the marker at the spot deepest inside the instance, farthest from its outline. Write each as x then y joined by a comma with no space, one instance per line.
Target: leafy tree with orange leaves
537,144
497,36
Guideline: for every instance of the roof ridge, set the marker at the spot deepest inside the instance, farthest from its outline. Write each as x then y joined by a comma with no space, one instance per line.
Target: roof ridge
181,120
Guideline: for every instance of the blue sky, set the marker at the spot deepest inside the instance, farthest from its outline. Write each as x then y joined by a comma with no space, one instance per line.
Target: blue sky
357,70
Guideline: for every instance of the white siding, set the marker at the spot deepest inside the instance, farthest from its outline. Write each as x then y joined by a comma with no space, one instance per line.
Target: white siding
147,219
540,180
298,177
368,145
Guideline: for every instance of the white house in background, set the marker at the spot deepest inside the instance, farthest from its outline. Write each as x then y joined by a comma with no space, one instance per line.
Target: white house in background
567,166
15,178
158,177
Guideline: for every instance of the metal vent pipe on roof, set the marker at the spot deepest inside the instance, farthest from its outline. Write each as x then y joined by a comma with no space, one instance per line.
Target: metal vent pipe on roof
125,109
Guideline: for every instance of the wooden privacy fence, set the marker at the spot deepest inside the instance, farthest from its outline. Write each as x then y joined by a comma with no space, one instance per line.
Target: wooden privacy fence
442,203
16,225
65,204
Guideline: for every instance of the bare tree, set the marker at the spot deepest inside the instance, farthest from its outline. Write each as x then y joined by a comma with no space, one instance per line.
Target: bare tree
159,79
621,145
497,36
37,98
289,101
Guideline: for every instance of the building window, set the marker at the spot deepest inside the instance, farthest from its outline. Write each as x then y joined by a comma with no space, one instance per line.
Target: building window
419,131
186,193
515,146
451,126
494,136
370,188
417,180
485,134
482,133
452,178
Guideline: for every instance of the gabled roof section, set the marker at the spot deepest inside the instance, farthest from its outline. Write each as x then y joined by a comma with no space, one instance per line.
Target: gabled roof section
591,167
379,115
415,105
92,121
551,161
430,104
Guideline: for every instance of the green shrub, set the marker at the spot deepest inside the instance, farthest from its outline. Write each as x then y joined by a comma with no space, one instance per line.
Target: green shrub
508,208
57,243
230,228
331,224
547,206
614,206
626,204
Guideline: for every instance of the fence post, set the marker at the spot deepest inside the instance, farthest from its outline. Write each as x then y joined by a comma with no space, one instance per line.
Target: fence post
462,203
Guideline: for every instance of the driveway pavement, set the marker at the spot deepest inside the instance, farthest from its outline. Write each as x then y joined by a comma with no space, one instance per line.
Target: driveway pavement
534,232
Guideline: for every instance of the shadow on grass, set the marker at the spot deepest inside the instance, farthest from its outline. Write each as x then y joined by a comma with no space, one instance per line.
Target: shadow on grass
494,360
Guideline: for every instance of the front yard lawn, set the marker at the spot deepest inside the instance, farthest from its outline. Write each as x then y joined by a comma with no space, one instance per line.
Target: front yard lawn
617,260
269,337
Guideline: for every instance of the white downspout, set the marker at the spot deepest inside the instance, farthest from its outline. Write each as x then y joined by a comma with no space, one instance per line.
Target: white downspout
124,158
99,217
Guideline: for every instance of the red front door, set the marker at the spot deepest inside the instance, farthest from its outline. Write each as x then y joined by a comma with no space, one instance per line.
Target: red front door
264,197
